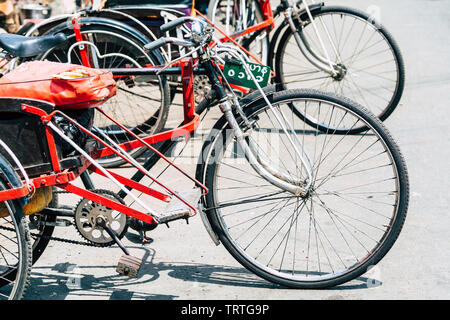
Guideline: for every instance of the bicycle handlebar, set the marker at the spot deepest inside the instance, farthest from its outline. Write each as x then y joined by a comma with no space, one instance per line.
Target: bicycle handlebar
196,31
175,23
155,44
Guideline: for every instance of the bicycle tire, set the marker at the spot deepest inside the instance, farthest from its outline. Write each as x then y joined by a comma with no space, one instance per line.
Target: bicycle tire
354,91
222,223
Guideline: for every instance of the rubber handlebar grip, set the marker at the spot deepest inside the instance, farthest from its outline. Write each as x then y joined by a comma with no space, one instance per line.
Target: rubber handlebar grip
155,44
174,23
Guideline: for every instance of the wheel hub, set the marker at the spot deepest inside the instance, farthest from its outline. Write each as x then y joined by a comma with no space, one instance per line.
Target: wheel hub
341,72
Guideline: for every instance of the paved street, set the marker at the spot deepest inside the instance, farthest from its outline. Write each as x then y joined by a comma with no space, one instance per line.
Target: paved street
183,263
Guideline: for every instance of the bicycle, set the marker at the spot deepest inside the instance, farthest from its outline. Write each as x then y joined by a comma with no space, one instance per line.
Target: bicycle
331,48
321,175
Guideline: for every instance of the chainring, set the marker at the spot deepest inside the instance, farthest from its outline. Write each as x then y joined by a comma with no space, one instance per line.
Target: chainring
201,88
86,213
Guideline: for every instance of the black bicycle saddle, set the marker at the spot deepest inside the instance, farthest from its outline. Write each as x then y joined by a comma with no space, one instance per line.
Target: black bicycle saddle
25,47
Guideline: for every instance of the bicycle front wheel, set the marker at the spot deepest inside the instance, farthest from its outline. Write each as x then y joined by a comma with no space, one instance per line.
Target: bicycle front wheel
369,62
347,221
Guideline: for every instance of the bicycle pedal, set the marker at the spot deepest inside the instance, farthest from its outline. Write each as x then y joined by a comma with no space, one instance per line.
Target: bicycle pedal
176,209
129,265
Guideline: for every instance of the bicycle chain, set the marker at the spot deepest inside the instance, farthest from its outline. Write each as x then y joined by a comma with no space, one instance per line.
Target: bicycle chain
85,243
60,191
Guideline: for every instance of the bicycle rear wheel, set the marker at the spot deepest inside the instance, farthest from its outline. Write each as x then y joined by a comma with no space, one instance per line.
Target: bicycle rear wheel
141,103
347,222
371,66
15,249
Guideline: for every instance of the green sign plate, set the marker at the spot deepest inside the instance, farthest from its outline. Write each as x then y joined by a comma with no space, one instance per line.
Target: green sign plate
236,74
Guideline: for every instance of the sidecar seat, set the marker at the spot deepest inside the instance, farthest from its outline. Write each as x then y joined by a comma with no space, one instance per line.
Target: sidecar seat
67,86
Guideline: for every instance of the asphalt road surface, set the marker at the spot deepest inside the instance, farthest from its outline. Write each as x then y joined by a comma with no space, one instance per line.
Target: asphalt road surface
183,263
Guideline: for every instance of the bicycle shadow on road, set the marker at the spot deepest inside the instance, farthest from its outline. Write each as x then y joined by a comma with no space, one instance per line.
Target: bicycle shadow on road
226,276
70,281
58,283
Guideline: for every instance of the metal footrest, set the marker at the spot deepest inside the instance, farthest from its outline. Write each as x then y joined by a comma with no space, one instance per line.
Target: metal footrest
129,265
176,209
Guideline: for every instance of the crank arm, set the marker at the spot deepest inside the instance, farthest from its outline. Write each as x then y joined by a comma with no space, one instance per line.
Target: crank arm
57,223
102,223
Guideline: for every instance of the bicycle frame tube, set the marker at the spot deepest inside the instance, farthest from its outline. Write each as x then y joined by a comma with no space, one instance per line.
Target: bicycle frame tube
79,38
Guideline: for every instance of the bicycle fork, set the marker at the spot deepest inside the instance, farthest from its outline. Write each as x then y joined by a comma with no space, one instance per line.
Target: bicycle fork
264,168
276,177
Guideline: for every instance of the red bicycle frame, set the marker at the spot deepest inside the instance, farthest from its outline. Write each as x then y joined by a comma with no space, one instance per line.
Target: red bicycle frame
191,122
63,179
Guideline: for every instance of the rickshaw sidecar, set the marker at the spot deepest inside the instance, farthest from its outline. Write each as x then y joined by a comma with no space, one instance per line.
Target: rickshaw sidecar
58,91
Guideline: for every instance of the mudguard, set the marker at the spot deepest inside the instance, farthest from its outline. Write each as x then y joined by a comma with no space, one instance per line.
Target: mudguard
88,21
65,26
36,29
8,173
